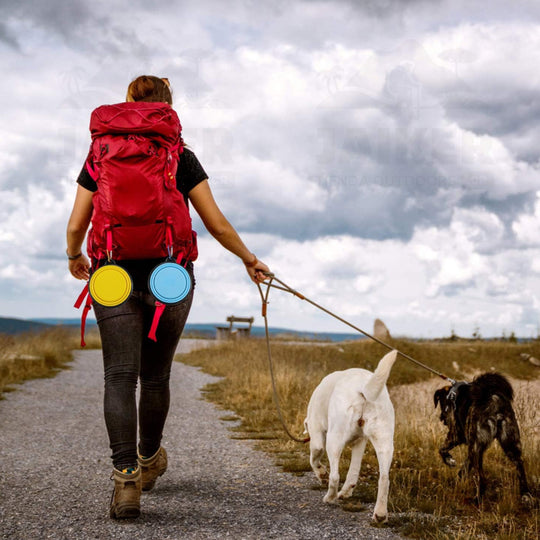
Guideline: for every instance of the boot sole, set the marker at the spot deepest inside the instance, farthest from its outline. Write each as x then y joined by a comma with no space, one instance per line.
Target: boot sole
147,486
125,511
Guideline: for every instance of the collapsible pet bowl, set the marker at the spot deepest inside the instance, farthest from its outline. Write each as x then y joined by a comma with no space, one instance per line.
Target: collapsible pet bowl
169,282
110,285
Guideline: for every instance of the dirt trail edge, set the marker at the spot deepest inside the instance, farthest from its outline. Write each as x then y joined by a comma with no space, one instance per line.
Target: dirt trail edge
55,471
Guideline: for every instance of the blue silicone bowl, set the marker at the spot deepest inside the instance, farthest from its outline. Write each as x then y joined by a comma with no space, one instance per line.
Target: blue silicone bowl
169,282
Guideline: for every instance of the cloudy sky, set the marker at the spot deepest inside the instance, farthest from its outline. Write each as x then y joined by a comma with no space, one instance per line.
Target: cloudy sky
381,156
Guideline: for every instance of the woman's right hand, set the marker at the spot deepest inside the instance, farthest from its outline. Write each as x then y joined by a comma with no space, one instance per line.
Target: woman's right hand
80,267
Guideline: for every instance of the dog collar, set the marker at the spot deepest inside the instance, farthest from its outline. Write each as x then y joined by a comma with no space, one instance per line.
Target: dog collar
452,393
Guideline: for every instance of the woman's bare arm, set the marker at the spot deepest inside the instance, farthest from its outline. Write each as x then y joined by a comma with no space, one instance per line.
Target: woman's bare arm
76,231
219,227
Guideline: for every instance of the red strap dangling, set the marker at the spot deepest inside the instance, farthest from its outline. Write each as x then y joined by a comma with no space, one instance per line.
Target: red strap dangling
81,297
85,294
160,307
87,308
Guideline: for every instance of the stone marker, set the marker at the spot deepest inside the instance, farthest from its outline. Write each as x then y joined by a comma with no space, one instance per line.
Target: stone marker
380,331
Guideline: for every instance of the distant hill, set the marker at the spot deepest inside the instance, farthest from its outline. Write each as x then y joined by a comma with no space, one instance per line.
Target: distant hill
207,330
51,321
19,326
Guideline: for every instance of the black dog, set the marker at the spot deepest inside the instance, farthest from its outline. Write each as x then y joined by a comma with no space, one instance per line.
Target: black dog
476,414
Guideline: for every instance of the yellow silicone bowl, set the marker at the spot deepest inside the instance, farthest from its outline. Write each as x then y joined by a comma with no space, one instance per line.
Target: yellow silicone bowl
110,285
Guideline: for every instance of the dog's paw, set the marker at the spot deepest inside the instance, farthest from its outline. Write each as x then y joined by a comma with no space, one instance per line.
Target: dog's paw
528,501
330,498
473,501
449,460
322,476
346,491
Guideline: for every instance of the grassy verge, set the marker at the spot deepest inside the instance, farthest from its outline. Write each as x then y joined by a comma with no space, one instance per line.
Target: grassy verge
38,354
426,500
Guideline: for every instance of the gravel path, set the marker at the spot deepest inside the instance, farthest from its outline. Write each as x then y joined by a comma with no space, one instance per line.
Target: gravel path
55,469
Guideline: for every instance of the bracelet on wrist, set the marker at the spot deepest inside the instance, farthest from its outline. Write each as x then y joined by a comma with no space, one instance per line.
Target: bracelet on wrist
73,257
253,262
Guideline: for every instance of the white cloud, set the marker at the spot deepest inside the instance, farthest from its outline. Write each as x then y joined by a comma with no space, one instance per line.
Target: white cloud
382,158
527,226
457,257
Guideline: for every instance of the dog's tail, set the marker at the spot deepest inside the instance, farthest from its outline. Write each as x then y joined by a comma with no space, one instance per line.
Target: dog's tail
488,384
377,381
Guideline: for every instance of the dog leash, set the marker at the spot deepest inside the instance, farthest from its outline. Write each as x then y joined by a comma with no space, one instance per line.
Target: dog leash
275,395
284,287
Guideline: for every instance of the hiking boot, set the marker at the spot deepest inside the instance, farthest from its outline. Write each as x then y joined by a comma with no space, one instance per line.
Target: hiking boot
126,497
152,468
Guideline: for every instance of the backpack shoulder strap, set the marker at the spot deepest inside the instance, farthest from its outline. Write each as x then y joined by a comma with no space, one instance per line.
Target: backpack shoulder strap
91,166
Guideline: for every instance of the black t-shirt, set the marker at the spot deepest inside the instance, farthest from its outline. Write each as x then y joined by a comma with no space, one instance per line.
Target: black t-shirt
189,174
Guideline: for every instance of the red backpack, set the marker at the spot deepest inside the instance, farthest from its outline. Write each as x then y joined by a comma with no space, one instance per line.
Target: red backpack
138,211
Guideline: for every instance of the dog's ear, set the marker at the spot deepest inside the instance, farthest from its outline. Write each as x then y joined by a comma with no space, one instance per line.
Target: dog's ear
440,395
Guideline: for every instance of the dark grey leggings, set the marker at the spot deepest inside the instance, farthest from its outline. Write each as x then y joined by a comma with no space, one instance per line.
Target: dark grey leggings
128,355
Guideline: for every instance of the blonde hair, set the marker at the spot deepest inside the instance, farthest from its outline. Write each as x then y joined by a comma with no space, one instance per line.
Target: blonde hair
149,88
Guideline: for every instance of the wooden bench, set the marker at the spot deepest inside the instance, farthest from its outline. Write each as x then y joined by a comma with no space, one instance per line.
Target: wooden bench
230,331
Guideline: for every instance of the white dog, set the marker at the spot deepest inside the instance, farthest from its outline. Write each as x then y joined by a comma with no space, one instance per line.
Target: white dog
350,407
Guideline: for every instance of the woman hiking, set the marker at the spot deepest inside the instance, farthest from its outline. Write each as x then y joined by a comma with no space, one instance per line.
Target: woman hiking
140,335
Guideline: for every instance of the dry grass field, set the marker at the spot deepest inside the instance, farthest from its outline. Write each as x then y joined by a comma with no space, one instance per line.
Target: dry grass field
32,355
38,354
427,500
